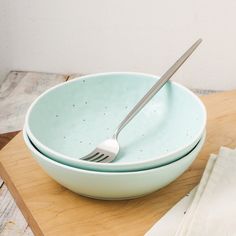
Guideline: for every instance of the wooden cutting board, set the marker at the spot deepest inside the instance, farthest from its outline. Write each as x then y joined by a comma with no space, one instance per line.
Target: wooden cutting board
53,210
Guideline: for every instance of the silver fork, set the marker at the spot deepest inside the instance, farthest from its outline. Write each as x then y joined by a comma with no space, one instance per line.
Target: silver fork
107,150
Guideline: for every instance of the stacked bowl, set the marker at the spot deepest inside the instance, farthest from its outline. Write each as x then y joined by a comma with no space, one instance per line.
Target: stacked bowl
68,121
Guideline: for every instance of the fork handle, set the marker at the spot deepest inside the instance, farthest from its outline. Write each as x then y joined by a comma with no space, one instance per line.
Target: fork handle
156,87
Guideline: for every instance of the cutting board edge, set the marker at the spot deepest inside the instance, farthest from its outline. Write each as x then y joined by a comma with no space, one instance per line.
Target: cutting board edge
20,202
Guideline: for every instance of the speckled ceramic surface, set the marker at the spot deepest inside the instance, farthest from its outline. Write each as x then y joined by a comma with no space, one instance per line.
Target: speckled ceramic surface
69,120
113,185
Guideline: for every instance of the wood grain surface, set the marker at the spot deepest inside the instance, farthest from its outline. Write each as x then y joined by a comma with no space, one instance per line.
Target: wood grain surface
18,91
12,222
53,210
5,138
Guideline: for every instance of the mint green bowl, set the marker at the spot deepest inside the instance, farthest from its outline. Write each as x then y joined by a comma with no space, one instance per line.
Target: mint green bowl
113,185
70,120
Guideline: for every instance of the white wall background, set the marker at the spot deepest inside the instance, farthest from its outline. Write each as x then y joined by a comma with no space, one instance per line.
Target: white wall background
86,36
4,45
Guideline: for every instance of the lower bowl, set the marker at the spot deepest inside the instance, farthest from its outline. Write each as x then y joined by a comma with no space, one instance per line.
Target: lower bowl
113,185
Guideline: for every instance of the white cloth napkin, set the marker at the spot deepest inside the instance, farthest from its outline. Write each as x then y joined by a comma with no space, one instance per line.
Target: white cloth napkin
212,210
168,224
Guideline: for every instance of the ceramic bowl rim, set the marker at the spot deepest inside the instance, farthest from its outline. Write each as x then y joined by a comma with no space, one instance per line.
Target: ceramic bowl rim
118,166
30,146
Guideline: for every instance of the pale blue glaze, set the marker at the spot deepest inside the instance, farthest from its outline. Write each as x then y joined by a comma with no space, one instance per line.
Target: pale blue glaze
113,185
68,121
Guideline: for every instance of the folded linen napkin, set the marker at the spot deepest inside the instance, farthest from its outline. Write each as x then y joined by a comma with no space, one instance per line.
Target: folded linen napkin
183,227
168,224
213,208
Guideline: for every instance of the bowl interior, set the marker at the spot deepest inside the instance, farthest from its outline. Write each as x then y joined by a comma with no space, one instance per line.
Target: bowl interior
71,119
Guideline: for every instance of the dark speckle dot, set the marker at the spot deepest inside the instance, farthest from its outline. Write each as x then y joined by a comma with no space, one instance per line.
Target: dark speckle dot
90,143
155,110
81,141
73,105
106,107
141,150
57,115
126,107
104,114
83,81
64,137
108,129
142,135
84,120
184,212
86,102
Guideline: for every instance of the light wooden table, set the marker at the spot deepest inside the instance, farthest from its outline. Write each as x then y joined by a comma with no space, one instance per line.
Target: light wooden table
17,92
